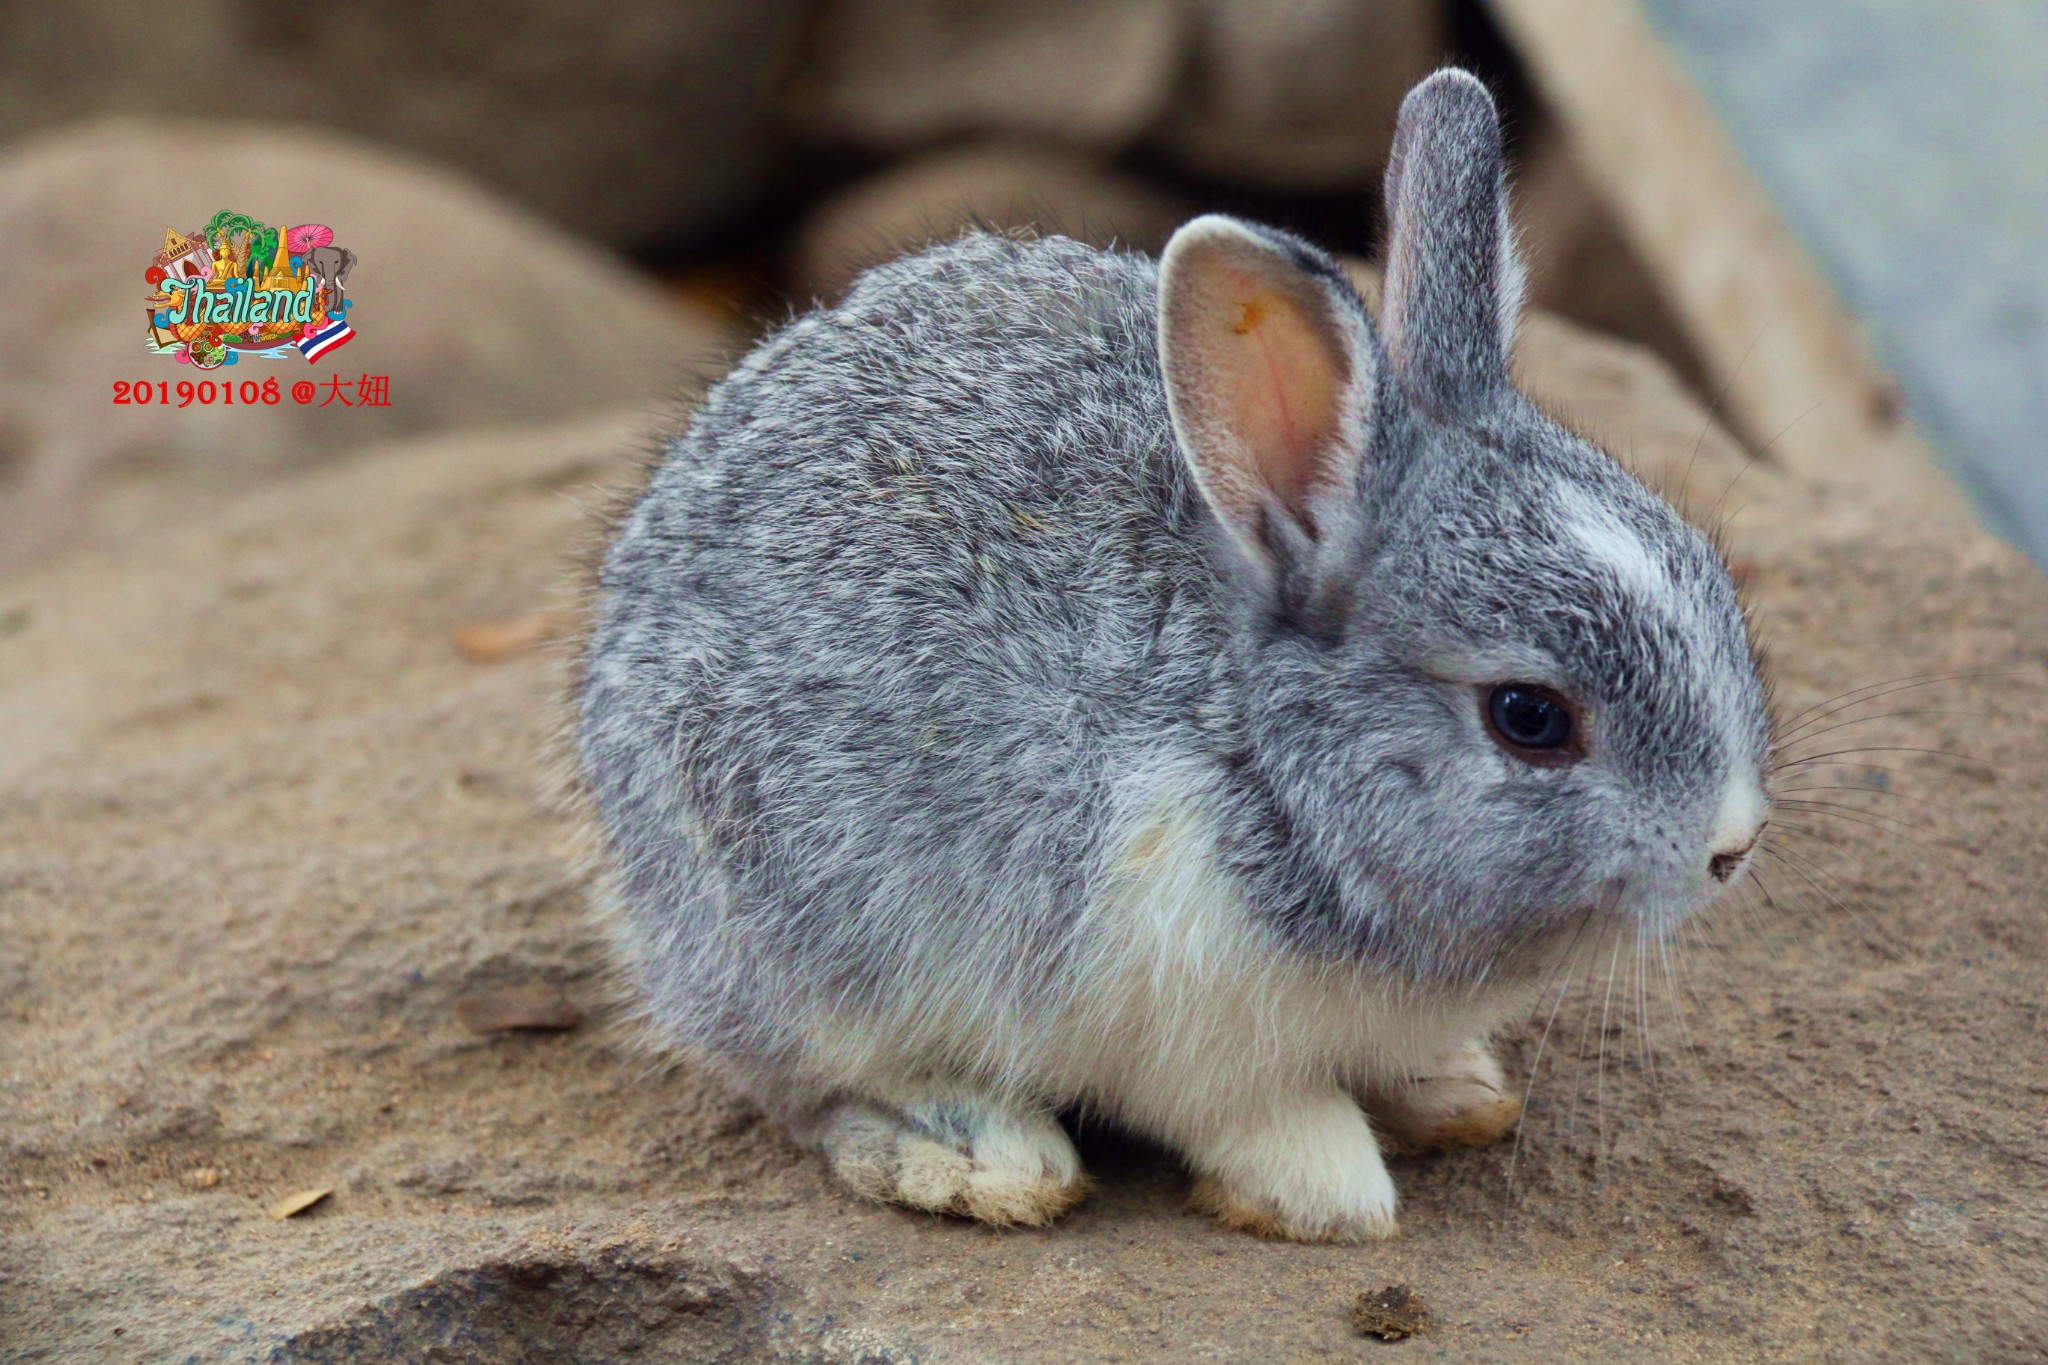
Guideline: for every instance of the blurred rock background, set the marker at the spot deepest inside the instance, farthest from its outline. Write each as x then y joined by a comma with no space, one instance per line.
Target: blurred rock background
752,155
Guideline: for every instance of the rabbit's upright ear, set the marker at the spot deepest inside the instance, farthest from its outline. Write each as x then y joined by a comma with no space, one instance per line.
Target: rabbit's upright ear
1453,283
1270,368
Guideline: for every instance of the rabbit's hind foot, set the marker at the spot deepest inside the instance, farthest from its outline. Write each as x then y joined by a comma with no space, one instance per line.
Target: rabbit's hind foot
965,1156
1461,1101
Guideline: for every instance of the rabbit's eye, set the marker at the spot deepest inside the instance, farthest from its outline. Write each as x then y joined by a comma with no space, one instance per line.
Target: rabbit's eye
1534,723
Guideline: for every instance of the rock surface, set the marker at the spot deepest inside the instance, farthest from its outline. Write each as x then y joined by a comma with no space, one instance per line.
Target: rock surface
624,120
262,827
1000,185
1299,96
1580,265
897,74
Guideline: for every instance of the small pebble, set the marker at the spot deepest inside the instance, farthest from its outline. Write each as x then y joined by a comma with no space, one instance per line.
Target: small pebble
1391,1314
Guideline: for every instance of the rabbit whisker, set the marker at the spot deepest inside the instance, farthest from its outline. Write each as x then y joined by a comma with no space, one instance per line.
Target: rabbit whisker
1854,697
1789,740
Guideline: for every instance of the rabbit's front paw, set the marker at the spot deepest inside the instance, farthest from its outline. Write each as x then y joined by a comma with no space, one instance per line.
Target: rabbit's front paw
1462,1101
969,1157
1306,1172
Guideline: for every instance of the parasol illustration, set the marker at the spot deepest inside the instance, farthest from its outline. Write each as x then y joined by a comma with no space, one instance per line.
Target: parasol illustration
303,238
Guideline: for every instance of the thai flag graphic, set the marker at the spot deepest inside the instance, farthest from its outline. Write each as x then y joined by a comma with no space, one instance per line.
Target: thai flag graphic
325,340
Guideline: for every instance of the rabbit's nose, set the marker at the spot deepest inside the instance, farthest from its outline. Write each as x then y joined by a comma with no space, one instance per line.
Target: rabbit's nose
1724,861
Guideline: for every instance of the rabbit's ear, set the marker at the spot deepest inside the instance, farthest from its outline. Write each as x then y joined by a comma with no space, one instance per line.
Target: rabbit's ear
1453,283
1269,366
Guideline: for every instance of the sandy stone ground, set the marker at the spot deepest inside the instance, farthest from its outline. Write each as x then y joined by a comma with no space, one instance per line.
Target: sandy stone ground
263,827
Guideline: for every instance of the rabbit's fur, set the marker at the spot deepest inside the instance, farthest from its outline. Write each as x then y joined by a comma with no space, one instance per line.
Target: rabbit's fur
1015,692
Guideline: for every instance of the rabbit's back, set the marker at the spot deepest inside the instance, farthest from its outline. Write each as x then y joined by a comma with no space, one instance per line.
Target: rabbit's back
916,587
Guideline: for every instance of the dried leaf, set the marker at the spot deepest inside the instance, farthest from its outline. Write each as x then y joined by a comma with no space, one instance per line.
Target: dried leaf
518,1007
292,1205
489,642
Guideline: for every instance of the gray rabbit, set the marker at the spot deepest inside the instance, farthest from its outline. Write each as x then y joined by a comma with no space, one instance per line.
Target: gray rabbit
1055,680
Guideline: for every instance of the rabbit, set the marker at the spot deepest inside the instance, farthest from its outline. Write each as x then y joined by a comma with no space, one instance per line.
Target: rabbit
1055,681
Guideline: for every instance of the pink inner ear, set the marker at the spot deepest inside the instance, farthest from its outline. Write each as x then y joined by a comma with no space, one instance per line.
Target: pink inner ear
1281,380
1291,446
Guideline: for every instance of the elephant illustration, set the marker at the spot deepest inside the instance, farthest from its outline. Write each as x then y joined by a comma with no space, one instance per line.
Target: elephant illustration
330,266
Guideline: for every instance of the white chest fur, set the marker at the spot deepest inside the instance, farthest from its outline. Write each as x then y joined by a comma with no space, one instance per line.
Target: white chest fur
1183,1003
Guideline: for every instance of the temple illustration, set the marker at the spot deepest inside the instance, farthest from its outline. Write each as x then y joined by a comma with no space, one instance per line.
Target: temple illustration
185,258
